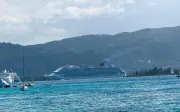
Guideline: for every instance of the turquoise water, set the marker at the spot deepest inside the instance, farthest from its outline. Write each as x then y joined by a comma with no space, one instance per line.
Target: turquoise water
140,94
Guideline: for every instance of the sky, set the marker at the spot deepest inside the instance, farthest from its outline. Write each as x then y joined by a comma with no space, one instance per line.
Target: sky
28,22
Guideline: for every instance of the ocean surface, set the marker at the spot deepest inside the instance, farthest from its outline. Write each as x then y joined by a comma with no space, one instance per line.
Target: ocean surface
125,94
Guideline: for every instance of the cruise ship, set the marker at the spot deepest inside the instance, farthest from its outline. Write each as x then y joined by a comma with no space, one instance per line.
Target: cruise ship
76,72
9,77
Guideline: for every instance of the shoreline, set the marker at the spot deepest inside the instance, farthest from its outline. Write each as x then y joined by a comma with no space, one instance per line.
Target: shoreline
96,80
153,75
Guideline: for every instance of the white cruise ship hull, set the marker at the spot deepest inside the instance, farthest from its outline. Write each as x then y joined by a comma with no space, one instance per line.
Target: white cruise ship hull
73,73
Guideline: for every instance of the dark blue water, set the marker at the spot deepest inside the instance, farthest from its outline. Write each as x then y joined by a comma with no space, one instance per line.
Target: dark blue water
147,94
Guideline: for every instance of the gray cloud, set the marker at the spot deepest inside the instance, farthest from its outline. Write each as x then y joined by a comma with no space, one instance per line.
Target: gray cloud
32,21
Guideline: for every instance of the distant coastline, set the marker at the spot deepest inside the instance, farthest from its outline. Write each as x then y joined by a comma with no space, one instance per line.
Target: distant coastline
156,71
144,48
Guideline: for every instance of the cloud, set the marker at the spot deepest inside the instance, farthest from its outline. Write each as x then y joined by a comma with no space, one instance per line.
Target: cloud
85,2
13,29
79,13
14,33
55,32
6,9
78,9
128,1
51,19
152,3
11,14
69,9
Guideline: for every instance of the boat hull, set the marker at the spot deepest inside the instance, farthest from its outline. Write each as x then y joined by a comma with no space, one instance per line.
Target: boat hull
4,84
72,73
23,88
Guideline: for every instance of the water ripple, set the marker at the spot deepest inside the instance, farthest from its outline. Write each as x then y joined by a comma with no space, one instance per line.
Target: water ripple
150,94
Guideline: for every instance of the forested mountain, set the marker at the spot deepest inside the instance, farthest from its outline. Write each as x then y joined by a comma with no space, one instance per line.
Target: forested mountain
134,50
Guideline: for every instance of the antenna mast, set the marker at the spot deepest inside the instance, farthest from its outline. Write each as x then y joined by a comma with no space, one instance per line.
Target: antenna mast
23,67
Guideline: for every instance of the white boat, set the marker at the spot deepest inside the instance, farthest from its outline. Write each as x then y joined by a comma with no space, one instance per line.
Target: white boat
9,77
4,84
29,84
23,88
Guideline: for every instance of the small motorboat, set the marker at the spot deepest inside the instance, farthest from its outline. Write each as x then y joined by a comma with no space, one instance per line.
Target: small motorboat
4,84
29,85
23,87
